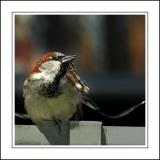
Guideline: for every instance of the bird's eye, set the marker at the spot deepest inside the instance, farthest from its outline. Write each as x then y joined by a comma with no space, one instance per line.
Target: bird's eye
57,58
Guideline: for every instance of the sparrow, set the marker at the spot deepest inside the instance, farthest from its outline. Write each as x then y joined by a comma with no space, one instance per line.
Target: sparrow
52,91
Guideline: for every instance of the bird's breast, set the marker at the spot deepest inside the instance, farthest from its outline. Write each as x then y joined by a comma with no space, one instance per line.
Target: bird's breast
60,107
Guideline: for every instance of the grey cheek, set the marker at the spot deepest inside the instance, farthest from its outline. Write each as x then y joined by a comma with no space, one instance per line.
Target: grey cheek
47,66
50,66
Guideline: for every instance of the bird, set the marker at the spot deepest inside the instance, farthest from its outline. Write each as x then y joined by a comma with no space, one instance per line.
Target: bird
52,91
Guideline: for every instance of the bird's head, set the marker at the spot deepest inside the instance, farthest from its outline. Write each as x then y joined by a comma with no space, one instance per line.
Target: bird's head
52,64
51,67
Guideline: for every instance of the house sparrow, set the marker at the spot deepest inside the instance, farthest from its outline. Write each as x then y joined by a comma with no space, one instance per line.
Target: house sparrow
52,90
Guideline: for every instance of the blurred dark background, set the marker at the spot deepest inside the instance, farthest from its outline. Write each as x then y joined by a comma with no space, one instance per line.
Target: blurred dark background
111,59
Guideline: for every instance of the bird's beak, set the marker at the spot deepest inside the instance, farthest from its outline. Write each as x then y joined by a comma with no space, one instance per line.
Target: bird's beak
68,59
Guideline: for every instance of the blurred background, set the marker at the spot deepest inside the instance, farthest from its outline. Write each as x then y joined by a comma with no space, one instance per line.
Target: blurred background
110,53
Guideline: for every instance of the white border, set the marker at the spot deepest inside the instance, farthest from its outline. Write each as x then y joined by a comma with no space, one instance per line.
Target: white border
153,57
